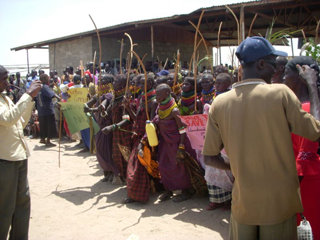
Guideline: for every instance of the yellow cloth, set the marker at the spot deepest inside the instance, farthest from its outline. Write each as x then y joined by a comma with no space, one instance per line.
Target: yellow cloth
151,165
253,122
13,118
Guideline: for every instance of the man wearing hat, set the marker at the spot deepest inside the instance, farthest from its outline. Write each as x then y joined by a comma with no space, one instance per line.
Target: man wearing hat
253,123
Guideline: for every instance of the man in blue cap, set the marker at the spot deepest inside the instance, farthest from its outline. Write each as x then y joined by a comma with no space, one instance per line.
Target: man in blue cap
253,123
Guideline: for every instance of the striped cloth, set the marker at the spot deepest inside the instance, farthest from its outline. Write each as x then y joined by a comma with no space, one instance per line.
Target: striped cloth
218,195
120,137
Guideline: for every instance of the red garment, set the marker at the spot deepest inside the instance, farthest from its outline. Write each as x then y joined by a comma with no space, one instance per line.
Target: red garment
308,166
70,84
138,182
65,124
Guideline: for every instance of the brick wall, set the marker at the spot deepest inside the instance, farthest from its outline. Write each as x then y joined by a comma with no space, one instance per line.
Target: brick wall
69,53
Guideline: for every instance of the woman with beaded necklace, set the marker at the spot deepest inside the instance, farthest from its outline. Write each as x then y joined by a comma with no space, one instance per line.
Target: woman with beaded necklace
138,179
121,128
173,145
208,91
97,105
188,98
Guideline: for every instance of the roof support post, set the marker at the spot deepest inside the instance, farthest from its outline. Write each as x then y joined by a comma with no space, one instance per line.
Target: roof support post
28,60
242,25
152,47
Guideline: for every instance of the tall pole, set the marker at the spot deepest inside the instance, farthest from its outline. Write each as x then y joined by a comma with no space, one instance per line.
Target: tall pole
242,26
54,56
292,47
152,47
28,60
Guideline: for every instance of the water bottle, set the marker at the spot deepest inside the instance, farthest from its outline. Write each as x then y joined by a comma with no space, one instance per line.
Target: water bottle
151,134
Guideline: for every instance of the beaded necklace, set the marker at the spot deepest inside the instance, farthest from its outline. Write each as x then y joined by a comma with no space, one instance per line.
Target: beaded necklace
135,91
187,98
166,107
118,95
151,94
207,96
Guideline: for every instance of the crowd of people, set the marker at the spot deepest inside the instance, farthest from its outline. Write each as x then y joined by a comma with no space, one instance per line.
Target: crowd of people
260,147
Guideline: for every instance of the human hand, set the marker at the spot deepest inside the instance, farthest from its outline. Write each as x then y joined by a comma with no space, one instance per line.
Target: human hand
107,129
101,108
34,88
181,153
58,106
308,74
126,102
86,109
140,150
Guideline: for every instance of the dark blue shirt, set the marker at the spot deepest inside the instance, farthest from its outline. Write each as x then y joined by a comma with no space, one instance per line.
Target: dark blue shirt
44,101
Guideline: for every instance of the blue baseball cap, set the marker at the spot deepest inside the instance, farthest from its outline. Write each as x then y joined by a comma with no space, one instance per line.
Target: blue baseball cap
163,73
254,48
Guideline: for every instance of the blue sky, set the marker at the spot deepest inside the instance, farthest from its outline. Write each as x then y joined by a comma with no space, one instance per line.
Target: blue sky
28,21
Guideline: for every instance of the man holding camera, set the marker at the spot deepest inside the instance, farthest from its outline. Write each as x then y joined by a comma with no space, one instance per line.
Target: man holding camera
14,188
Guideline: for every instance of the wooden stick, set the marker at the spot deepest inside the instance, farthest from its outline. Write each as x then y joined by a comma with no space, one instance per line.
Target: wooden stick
304,35
81,68
93,67
235,17
176,70
218,43
139,67
145,83
152,46
195,38
121,50
127,60
195,84
60,129
317,34
192,56
130,62
205,44
165,64
232,59
100,49
251,25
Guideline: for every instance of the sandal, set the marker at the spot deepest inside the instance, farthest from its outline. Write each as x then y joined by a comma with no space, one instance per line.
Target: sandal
107,176
50,144
165,196
181,197
213,206
43,141
128,200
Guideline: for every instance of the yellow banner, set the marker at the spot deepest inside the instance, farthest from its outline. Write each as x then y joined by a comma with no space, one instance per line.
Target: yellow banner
79,95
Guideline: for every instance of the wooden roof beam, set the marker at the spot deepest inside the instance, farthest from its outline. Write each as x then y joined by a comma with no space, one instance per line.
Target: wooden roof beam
277,20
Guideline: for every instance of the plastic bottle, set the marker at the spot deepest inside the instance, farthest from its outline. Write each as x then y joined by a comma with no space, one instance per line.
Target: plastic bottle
151,134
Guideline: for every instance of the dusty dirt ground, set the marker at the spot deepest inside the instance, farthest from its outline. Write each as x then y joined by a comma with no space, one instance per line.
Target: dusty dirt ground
71,202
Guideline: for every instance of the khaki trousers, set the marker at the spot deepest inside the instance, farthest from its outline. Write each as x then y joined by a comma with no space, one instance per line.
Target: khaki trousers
14,200
286,230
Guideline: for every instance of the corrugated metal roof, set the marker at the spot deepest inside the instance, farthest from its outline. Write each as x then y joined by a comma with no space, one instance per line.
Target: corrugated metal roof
175,18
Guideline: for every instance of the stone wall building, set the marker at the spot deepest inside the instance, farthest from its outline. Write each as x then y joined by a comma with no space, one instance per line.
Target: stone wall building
166,43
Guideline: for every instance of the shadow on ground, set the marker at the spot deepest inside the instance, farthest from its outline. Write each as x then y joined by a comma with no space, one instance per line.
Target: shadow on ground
191,211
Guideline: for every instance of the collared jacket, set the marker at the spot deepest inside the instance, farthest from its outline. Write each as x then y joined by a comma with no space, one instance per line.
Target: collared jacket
13,118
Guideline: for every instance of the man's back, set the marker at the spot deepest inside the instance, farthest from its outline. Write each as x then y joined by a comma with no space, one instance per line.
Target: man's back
254,121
